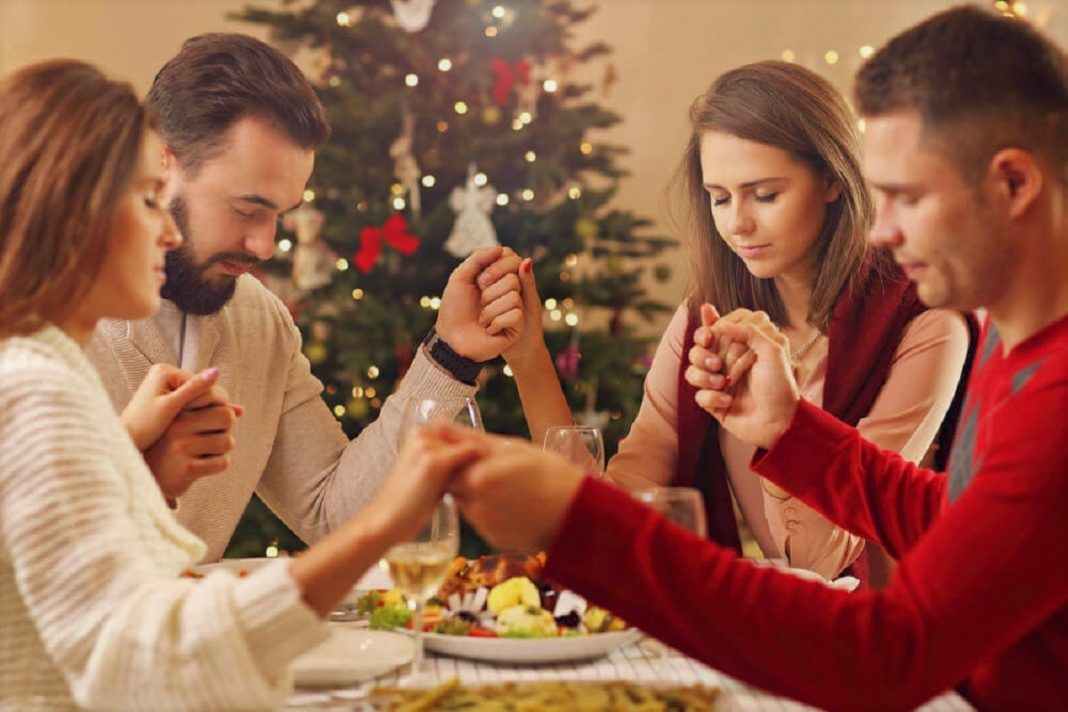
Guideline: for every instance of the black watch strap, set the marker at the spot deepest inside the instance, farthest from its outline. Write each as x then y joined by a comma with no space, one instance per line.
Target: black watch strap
462,368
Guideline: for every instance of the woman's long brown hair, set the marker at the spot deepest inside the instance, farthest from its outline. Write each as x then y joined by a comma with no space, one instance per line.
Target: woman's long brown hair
70,139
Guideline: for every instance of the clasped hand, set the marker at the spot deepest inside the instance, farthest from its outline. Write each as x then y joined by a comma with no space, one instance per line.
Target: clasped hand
740,365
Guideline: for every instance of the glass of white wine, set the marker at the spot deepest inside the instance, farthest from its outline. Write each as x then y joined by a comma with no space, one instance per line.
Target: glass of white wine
582,445
419,567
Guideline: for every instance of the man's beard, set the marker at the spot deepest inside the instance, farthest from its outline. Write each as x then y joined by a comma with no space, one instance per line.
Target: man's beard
186,284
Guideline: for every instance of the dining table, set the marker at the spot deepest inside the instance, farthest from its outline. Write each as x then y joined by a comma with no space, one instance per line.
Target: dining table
643,662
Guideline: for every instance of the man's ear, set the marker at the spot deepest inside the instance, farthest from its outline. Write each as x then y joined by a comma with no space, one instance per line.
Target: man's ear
1017,178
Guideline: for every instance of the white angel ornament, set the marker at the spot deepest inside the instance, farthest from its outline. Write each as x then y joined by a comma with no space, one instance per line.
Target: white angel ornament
473,205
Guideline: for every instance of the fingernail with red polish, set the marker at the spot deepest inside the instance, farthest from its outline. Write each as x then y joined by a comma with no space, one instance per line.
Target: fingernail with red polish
528,266
727,380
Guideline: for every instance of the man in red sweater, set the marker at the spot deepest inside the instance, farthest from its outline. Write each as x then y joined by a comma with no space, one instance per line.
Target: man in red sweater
967,149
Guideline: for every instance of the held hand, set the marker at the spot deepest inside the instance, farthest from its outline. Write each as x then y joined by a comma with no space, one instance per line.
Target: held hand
475,330
417,482
155,404
515,495
761,403
532,341
717,362
196,444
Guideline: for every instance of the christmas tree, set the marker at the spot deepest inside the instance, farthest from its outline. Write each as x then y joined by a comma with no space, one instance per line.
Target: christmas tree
458,124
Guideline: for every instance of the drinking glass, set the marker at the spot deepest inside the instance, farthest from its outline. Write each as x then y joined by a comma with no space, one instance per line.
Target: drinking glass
461,410
582,445
681,505
419,567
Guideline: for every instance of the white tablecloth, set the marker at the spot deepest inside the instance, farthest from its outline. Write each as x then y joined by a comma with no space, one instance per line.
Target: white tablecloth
641,662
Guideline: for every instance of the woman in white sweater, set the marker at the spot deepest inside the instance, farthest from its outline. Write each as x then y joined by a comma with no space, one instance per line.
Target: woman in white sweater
93,612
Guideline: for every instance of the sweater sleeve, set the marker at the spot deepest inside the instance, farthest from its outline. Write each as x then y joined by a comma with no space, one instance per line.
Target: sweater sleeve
953,604
98,577
648,455
316,479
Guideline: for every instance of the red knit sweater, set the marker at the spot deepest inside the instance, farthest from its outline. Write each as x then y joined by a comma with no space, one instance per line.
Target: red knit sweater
979,600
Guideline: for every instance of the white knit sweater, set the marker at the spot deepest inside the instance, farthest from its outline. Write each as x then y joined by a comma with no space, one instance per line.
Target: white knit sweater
92,612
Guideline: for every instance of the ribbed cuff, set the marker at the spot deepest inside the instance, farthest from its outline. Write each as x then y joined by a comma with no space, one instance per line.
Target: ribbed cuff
277,623
426,378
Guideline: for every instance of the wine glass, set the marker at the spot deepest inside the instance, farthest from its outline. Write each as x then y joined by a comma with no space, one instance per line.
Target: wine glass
681,505
461,410
420,565
581,444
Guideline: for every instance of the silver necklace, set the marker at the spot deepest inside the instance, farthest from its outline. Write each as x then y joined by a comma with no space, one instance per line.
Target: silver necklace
804,348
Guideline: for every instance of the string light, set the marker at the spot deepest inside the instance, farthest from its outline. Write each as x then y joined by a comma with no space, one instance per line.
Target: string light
357,294
460,107
372,371
398,203
527,194
497,12
550,303
830,57
444,64
343,19
530,156
371,392
272,551
517,125
491,32
357,391
442,127
574,192
396,189
586,148
309,195
502,199
342,264
525,117
411,80
339,410
571,319
435,303
550,85
788,55
285,245
335,81
568,303
424,302
507,370
867,51
481,179
429,181
555,314
571,260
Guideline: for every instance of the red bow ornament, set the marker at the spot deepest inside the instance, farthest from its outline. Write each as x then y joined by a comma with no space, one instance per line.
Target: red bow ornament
395,233
506,75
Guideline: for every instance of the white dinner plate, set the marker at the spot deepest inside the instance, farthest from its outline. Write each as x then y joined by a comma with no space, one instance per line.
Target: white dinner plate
530,650
352,655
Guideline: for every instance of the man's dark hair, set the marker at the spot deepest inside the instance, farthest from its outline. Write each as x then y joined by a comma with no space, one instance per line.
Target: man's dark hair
217,79
980,82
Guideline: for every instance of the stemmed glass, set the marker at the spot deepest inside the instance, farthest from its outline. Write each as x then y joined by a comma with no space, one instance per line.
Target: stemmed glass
420,565
582,445
461,410
681,505
685,507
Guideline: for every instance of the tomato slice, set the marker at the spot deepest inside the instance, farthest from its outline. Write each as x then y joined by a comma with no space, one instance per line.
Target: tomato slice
478,631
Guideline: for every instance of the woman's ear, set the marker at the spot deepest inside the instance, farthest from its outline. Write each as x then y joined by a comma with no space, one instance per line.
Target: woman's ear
833,191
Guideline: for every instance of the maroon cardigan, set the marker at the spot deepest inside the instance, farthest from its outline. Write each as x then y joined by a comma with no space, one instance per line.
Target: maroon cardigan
864,334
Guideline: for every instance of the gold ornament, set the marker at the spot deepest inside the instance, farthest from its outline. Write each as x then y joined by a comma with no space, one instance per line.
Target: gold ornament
491,115
316,352
587,228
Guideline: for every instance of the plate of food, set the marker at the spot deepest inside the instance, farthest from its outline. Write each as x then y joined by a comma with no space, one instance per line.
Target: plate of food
501,609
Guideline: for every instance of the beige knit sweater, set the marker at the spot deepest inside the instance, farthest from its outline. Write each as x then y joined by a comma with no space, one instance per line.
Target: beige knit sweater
92,611
290,448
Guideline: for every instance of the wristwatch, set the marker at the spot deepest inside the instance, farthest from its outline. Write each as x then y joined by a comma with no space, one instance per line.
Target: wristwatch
462,368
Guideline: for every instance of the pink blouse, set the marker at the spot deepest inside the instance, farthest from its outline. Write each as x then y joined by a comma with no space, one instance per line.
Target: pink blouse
904,418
